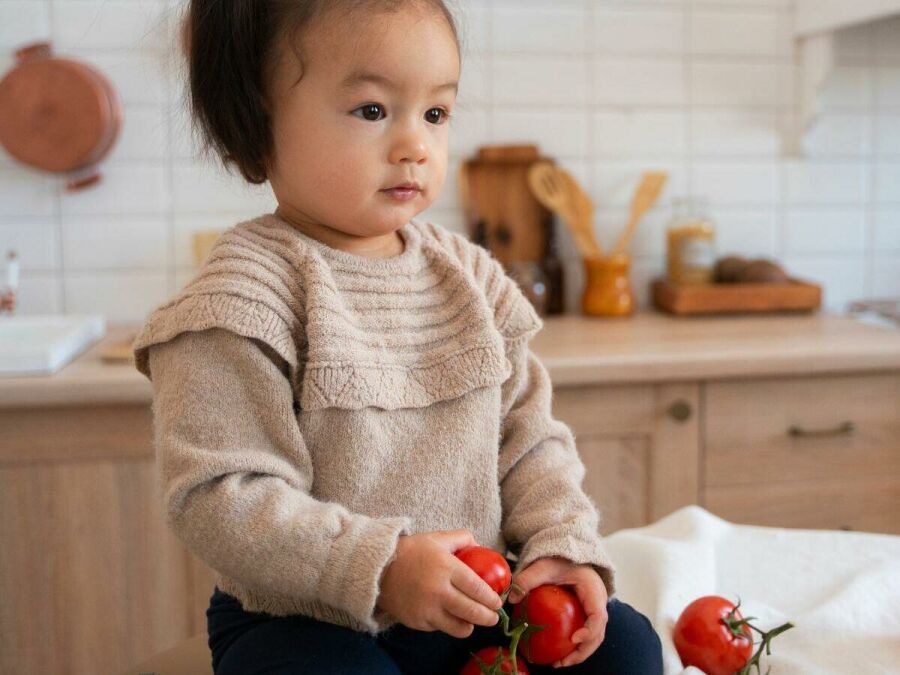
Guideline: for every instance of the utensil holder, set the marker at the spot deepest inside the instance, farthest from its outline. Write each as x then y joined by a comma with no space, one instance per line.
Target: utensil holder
607,289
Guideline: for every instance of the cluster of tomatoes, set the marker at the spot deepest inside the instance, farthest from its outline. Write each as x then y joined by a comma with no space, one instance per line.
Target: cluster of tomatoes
544,620
710,634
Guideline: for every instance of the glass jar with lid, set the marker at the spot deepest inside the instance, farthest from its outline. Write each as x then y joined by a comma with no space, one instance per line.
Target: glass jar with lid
690,242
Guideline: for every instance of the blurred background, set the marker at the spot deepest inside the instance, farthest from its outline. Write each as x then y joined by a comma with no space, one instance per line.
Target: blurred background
709,92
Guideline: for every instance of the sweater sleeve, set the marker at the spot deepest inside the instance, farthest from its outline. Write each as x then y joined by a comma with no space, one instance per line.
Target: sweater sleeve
237,477
545,510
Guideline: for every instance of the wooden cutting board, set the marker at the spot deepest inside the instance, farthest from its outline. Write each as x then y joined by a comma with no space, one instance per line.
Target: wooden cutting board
797,295
508,219
119,351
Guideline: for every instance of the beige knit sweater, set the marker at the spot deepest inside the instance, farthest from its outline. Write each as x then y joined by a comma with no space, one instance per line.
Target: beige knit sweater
311,405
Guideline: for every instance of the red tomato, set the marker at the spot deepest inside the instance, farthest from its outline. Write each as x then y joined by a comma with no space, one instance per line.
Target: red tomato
560,612
703,641
489,565
489,656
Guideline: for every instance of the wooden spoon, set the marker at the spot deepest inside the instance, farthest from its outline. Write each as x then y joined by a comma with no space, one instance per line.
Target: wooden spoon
551,189
585,209
646,195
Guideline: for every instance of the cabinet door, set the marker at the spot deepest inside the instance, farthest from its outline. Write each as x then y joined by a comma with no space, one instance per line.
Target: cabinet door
639,445
811,452
91,579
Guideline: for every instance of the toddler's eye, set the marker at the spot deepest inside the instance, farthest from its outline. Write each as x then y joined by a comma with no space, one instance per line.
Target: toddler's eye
442,115
370,109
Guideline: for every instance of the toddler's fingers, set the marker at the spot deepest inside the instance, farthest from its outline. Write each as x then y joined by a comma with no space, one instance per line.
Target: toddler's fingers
454,540
466,580
453,626
463,607
594,628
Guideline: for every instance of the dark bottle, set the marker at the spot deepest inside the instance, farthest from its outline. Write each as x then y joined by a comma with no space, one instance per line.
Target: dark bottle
479,235
552,267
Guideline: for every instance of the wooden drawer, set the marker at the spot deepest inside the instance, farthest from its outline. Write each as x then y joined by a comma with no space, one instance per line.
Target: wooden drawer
749,438
838,469
866,504
75,434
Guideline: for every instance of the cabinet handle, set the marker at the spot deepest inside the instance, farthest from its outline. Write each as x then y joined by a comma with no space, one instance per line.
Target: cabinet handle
680,410
841,429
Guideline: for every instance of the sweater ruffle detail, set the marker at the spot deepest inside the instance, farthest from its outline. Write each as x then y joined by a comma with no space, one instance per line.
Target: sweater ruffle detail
428,325
245,316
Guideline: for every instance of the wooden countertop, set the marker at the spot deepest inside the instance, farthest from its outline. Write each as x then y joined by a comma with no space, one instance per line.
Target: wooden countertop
648,347
656,347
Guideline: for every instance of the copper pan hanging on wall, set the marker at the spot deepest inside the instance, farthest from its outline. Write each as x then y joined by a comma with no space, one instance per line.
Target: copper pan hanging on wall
58,115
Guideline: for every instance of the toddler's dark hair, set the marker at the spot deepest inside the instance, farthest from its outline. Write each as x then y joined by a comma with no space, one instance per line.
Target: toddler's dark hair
229,46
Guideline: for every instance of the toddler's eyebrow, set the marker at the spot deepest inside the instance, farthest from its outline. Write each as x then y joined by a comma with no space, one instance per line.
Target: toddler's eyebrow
357,77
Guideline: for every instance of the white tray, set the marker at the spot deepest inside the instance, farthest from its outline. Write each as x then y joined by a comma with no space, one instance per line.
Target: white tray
41,344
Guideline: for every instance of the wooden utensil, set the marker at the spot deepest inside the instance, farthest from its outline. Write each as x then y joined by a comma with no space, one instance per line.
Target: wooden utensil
552,189
646,195
585,209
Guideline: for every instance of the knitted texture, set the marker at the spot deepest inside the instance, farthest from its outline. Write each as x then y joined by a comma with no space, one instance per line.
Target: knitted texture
311,405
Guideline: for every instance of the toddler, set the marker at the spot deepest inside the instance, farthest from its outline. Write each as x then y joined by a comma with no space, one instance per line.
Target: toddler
344,395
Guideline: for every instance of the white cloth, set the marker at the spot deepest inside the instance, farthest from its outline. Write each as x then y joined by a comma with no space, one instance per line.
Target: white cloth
840,589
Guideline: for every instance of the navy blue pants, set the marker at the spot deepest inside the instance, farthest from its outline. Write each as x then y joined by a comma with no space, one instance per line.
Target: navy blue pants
256,643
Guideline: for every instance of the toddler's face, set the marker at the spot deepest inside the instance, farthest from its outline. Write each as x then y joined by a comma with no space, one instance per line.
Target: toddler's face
339,142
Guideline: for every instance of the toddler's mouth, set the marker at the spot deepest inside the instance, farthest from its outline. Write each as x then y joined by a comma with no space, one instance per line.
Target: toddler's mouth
403,192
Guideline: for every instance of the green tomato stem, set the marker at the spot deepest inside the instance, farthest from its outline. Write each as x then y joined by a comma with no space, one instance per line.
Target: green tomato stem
735,625
516,632
514,644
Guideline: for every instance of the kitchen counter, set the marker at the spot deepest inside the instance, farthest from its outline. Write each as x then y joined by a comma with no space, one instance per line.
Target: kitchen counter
648,347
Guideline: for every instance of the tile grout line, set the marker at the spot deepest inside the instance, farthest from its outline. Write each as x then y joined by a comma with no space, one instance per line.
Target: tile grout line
688,82
590,156
57,183
871,174
787,123
489,66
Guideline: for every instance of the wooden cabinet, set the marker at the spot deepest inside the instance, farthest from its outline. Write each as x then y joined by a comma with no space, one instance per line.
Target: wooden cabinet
665,413
811,452
91,578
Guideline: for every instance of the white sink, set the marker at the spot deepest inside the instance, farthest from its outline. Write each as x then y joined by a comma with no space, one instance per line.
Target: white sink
41,344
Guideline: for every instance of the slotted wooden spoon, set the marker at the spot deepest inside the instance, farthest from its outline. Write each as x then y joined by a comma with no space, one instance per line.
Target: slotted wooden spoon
647,193
551,186
585,209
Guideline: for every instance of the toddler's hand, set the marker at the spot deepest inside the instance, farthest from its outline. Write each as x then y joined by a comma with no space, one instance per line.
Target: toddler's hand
428,588
589,588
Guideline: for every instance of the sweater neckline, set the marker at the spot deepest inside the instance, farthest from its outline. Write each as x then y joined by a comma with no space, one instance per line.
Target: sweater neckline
396,263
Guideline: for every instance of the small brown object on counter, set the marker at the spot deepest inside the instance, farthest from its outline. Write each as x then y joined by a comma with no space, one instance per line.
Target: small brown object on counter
118,351
762,271
734,269
729,268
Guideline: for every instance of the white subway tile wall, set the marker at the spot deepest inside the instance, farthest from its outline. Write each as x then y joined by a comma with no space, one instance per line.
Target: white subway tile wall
702,89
